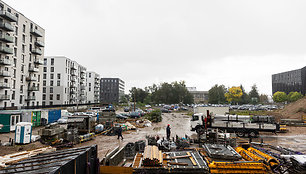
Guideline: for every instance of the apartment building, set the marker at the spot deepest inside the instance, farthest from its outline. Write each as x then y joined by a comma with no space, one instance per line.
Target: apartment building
290,81
64,81
21,59
93,87
198,96
111,89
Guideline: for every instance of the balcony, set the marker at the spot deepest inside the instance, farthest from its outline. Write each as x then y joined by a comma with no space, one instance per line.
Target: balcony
6,26
33,88
83,76
72,96
72,91
31,78
28,98
36,32
4,61
4,73
4,97
73,66
6,38
4,85
73,73
36,51
73,85
9,16
39,43
82,87
6,50
38,61
82,81
73,79
33,69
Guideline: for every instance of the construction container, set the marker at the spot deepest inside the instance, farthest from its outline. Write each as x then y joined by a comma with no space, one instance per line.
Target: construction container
23,133
54,115
44,117
8,120
36,118
26,115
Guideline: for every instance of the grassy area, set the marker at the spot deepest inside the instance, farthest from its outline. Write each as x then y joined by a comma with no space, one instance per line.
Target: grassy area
247,112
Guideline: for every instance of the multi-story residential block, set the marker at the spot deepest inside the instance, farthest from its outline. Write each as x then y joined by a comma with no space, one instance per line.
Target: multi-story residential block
21,59
290,81
111,89
64,81
198,96
93,87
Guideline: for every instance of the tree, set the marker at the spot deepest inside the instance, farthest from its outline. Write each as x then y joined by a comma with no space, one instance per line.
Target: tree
253,94
216,94
234,94
123,99
263,98
138,94
245,97
294,96
279,97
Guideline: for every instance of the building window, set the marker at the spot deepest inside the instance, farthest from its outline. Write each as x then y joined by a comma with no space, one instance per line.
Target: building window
58,83
51,83
44,103
51,90
38,78
23,58
16,30
58,76
44,83
16,41
52,69
23,28
45,69
23,48
45,76
20,100
58,97
52,61
15,52
44,89
51,103
13,95
89,75
45,62
51,76
44,97
51,97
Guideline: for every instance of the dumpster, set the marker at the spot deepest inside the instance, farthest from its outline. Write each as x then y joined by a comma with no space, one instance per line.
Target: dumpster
23,133
8,120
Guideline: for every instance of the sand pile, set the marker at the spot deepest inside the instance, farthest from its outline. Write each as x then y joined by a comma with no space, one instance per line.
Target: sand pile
293,110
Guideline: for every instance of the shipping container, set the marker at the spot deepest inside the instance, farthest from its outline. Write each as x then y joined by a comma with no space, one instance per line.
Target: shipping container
54,115
8,120
36,118
23,133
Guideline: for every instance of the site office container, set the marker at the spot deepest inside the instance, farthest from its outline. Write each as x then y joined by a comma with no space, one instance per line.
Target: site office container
54,115
44,117
36,118
26,116
8,120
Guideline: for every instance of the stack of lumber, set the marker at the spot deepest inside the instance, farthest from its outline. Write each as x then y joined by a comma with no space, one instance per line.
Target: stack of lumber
152,157
16,157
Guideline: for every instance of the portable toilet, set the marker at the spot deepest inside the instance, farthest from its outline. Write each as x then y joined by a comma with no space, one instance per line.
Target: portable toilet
8,120
23,133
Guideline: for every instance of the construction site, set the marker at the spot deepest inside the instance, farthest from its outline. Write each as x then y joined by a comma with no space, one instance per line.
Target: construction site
207,141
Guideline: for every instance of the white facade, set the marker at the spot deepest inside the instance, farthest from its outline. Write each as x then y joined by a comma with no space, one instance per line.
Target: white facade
64,81
93,87
21,54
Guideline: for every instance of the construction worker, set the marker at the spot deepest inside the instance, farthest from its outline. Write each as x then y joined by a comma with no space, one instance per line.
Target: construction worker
120,133
168,131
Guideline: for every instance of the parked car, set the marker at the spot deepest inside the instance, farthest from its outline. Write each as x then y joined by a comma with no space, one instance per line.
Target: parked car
63,120
165,110
135,115
126,109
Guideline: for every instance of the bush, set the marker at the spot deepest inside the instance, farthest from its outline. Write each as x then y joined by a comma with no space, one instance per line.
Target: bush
155,116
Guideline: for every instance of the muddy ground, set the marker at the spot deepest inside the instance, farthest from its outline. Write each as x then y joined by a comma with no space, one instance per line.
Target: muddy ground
180,125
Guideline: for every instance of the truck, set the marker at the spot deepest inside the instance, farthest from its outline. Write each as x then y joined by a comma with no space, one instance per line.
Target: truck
240,124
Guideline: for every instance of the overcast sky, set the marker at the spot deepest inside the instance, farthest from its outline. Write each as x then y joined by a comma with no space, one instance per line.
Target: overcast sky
201,42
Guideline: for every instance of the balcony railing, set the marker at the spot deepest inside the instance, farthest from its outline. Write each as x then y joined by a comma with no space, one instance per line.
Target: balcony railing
7,15
6,38
36,51
39,43
4,85
4,61
73,73
33,69
28,98
38,61
33,88
73,79
72,91
4,97
5,73
83,76
6,26
6,50
73,66
36,32
31,78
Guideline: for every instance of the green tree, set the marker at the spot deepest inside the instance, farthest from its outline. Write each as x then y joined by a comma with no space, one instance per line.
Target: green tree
263,98
279,97
216,94
294,96
138,94
245,97
234,94
253,94
123,99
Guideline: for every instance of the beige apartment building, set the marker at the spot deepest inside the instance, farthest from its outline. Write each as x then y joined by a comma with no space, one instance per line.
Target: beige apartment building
21,59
